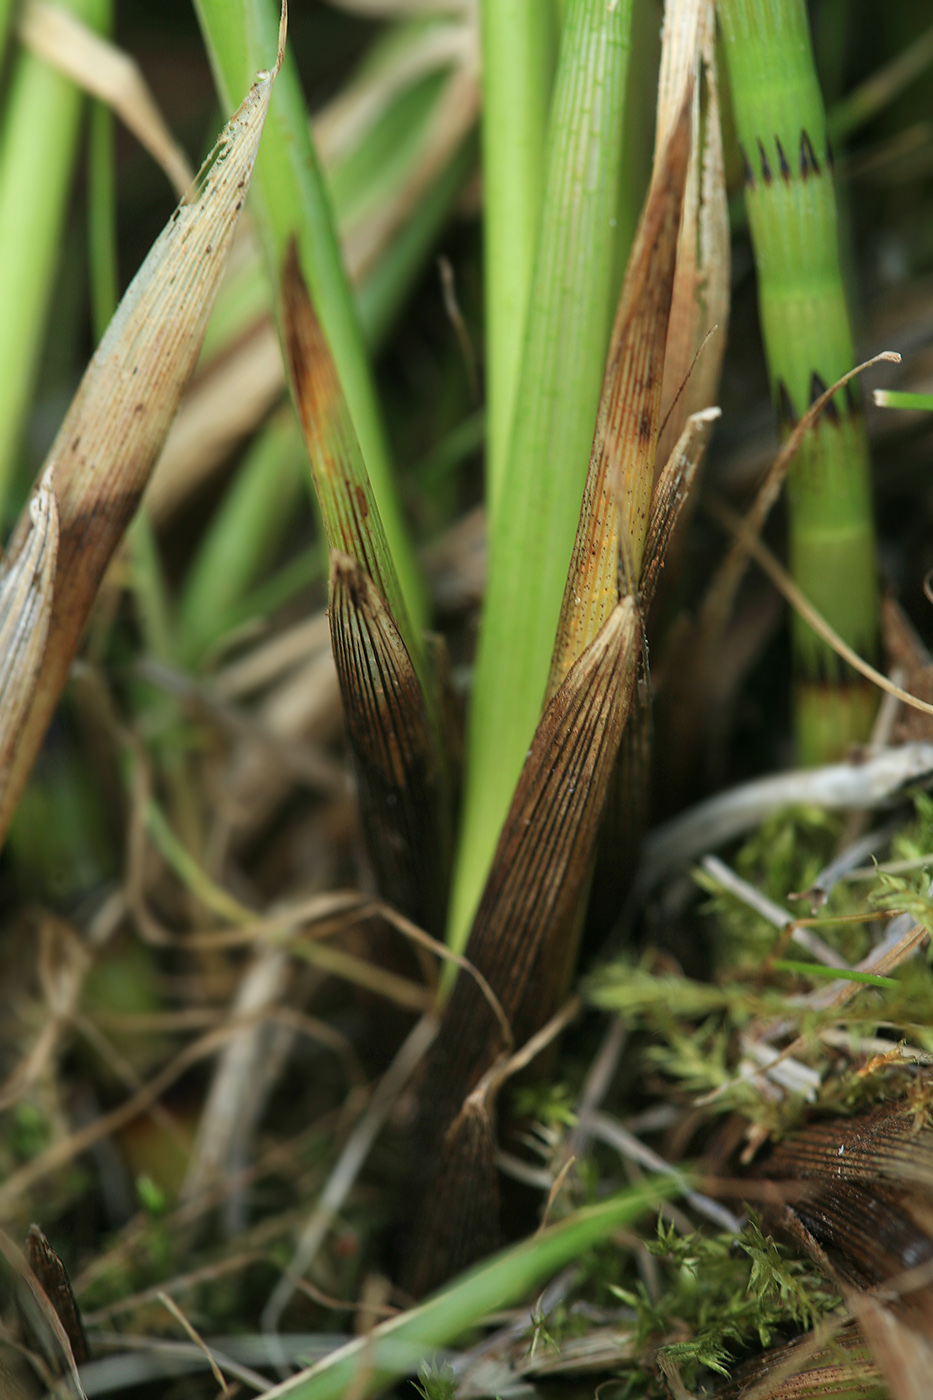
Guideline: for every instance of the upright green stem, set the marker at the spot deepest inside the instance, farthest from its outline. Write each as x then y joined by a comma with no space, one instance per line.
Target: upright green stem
39,137
570,308
791,207
292,199
519,43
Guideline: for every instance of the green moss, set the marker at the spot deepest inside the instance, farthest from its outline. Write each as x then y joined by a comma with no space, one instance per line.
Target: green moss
725,1294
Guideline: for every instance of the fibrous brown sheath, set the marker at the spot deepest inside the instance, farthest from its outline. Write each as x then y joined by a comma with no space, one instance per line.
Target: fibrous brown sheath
528,913
868,1220
401,790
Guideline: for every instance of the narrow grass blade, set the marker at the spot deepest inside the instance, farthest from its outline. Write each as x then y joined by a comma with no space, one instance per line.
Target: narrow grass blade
519,44
108,443
566,335
292,204
40,130
402,792
25,610
523,936
395,1348
791,204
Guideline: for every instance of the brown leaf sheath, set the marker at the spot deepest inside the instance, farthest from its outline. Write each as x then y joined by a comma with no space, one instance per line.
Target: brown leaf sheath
529,907
348,507
671,493
107,446
51,1273
389,701
700,299
870,1209
617,495
402,795
807,1368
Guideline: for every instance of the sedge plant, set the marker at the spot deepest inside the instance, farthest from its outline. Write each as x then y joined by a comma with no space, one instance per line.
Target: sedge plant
553,234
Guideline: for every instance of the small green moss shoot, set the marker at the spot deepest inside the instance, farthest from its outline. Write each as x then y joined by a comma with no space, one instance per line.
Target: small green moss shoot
689,1030
723,1295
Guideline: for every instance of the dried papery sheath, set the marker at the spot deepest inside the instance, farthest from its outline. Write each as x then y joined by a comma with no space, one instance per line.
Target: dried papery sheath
700,302
393,721
617,495
528,919
401,786
670,495
867,1217
25,608
836,1365
112,434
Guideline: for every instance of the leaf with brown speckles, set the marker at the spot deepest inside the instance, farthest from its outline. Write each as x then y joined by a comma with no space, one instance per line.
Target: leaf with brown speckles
107,446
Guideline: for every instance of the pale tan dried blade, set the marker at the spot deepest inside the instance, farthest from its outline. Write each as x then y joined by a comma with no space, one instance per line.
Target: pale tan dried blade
105,71
680,40
220,411
715,240
363,102
671,492
620,478
25,609
365,241
111,436
402,792
530,906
